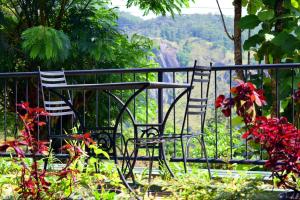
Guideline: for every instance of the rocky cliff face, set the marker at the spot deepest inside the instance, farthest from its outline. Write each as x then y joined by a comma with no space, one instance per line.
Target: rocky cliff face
166,55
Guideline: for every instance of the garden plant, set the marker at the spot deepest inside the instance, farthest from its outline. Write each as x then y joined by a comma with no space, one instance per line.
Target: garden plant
279,138
34,180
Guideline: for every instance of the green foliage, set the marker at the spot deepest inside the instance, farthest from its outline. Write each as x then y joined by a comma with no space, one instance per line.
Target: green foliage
197,185
46,44
73,35
179,29
159,6
265,15
283,43
249,22
252,41
183,54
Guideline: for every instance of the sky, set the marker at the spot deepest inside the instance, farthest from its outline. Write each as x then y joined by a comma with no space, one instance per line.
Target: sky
200,6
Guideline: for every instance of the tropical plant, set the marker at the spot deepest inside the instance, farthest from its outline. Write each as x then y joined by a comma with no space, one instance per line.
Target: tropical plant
34,180
274,39
281,140
277,36
159,7
277,136
245,99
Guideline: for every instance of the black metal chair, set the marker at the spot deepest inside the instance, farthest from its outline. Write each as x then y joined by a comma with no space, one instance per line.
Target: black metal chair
59,105
154,136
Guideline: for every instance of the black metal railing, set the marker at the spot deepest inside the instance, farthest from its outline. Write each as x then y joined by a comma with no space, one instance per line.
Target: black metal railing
223,136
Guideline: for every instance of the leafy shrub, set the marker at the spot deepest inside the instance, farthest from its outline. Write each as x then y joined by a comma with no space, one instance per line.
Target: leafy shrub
281,140
245,97
277,136
34,180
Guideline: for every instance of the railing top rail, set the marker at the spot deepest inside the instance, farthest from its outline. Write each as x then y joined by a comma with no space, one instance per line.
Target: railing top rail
256,66
154,70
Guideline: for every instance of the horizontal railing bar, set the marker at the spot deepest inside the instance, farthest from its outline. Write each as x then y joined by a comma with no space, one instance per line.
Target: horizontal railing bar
153,70
99,71
256,66
220,161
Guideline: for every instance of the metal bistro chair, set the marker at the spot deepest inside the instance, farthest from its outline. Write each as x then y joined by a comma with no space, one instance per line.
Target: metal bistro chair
153,136
59,105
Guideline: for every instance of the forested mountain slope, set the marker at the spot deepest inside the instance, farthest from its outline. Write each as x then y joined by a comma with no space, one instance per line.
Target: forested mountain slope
184,38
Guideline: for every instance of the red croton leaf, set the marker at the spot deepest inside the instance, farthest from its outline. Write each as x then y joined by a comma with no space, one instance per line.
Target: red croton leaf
24,105
15,145
245,97
4,147
66,172
86,137
281,140
41,123
42,177
219,101
226,112
42,147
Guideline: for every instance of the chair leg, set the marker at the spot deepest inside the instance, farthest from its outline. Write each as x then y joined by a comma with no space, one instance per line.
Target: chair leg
131,166
47,159
187,152
163,154
151,164
45,163
183,155
205,154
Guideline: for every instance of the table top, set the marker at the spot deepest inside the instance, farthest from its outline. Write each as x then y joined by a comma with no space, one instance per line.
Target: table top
118,86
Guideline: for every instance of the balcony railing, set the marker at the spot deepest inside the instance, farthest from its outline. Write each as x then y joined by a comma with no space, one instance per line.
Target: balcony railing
223,136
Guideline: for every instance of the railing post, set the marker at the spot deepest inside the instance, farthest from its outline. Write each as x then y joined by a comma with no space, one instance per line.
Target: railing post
160,99
160,110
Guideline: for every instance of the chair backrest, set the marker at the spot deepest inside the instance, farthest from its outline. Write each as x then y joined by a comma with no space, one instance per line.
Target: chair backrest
198,96
54,105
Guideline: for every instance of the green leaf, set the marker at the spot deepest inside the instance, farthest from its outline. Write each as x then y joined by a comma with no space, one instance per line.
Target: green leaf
100,151
297,32
249,22
295,3
252,41
286,41
45,43
93,160
265,15
269,3
254,6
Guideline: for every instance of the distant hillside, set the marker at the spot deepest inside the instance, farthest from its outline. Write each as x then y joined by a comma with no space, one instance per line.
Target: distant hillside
184,38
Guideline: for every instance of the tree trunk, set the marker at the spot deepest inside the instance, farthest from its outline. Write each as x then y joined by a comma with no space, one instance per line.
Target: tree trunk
238,57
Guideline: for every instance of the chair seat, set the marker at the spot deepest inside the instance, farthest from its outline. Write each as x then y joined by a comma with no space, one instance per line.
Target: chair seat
178,136
161,139
150,125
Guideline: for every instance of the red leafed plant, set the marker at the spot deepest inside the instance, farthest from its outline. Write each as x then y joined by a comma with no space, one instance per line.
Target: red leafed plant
33,180
244,97
281,140
278,137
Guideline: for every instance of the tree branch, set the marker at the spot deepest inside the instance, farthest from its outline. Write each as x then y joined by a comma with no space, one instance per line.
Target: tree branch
61,14
231,37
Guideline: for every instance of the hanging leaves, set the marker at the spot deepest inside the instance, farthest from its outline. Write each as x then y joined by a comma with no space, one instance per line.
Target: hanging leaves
159,6
45,43
265,15
252,41
287,42
249,22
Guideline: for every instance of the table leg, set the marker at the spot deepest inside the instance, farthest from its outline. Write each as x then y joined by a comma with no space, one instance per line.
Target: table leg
118,121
